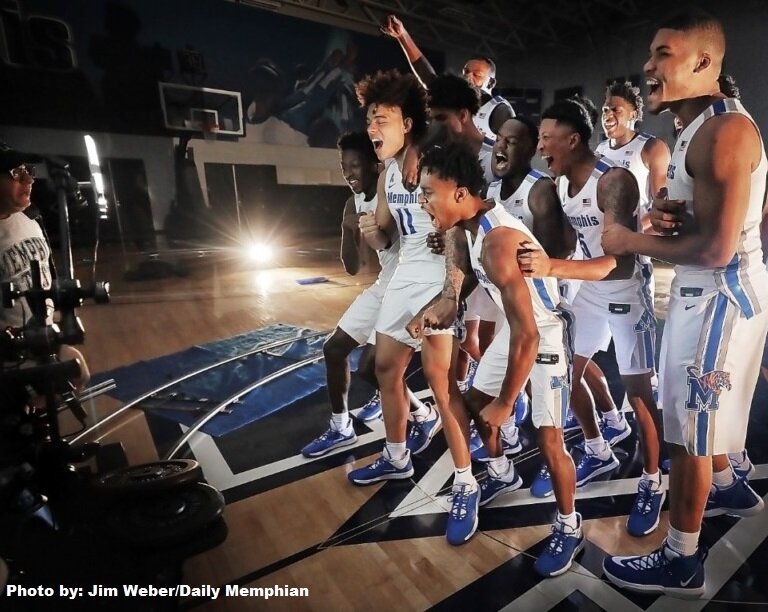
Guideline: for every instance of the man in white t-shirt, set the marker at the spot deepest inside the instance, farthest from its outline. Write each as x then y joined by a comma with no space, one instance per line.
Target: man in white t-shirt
21,242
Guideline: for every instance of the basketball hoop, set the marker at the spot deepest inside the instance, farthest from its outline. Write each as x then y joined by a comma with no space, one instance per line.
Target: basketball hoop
210,130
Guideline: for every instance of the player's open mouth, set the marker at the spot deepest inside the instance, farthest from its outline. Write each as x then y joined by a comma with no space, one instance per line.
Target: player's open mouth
547,159
653,86
609,125
377,143
353,183
501,161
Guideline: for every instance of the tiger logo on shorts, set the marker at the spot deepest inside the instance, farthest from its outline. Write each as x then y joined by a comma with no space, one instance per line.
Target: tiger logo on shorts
704,389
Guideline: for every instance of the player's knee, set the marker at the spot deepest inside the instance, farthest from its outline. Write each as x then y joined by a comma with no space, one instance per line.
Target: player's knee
334,351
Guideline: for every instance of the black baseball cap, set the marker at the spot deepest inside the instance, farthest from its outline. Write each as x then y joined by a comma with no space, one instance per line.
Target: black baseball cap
11,158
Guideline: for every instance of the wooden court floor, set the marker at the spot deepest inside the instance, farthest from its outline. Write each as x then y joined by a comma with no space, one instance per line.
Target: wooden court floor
299,523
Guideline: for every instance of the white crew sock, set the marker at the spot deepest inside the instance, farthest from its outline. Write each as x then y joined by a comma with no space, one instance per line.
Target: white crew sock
684,544
396,453
598,446
465,476
724,479
613,417
341,421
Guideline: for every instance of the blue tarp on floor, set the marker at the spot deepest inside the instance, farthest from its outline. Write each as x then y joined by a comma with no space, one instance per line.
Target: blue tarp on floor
222,382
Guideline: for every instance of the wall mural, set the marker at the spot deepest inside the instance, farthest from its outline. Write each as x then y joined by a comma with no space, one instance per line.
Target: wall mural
95,64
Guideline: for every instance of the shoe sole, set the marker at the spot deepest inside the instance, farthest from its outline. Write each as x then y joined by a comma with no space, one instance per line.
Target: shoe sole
432,433
740,512
682,593
655,525
398,476
599,472
513,486
622,436
342,444
369,417
562,570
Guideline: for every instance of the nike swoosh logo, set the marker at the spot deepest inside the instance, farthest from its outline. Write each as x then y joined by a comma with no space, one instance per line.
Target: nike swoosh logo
689,306
685,583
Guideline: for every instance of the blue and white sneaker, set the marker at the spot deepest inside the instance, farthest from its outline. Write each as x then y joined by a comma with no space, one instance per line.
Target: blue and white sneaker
381,469
741,465
508,446
522,408
663,571
739,499
542,484
492,486
326,442
372,409
571,422
421,431
591,466
614,435
564,544
645,512
462,518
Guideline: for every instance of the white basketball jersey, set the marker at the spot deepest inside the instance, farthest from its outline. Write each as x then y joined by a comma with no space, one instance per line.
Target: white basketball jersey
485,156
745,279
589,221
482,117
389,257
630,156
517,204
544,294
417,263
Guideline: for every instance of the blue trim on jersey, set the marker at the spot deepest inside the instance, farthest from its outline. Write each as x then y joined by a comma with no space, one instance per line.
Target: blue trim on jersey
489,141
733,283
536,174
649,336
602,167
566,316
486,224
541,289
719,107
710,361
564,401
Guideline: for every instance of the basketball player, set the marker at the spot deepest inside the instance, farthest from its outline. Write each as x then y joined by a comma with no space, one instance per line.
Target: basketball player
396,111
452,105
480,72
533,342
611,302
360,168
530,196
740,462
718,310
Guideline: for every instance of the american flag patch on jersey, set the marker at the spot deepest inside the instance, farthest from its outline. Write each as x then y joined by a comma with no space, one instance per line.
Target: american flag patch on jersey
586,202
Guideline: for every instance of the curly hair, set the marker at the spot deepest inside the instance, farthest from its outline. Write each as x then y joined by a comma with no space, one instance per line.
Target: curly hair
578,112
629,92
452,92
454,161
393,88
728,86
358,141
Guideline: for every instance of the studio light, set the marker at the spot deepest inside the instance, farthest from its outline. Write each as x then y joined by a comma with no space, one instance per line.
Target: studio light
260,253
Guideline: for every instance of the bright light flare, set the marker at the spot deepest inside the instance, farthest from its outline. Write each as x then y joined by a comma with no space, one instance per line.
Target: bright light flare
260,253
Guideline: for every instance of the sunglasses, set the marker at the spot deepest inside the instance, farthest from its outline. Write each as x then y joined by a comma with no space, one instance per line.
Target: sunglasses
20,172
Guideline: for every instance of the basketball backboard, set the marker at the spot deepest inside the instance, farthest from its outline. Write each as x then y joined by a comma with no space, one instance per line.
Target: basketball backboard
188,108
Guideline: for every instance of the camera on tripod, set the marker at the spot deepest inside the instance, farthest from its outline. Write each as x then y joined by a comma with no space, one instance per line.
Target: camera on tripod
36,382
